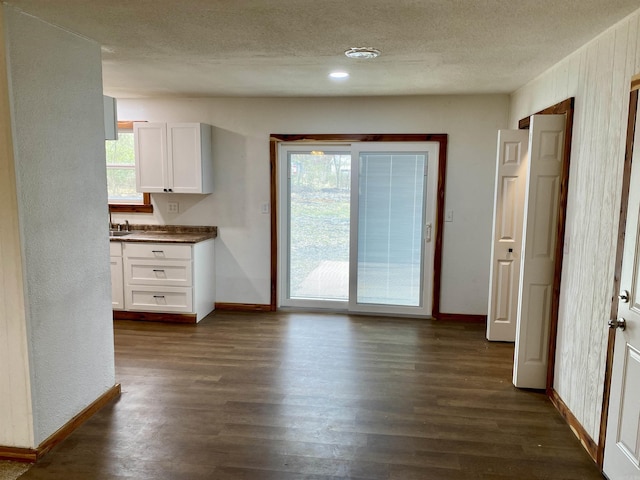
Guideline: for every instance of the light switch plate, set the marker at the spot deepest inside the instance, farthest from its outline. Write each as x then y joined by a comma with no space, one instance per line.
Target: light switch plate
448,217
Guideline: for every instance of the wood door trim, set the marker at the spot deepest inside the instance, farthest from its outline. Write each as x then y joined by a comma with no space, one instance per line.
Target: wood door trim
440,138
273,194
635,82
437,254
565,107
622,224
558,109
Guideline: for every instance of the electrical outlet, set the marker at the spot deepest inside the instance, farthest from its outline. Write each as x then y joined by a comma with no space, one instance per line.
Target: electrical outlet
265,208
172,207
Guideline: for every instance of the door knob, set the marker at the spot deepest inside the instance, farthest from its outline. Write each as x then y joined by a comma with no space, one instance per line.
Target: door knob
620,323
624,296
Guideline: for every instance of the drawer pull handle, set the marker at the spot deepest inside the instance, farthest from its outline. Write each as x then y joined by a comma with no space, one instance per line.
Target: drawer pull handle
157,251
157,270
158,296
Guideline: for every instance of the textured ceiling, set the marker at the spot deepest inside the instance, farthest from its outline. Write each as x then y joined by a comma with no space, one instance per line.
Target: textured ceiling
287,47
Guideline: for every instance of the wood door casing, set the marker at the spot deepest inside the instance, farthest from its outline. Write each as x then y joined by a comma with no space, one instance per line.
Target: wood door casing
440,138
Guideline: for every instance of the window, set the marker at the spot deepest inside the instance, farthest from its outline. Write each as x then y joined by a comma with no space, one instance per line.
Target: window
121,174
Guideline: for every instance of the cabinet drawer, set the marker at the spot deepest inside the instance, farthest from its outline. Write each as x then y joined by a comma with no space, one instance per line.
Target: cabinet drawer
159,251
115,249
177,273
167,299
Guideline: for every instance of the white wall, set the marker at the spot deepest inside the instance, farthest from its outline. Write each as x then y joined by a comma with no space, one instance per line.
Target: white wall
241,156
15,397
598,76
55,84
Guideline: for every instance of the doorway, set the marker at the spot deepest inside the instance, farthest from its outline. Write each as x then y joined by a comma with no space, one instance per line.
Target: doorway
357,225
565,107
355,163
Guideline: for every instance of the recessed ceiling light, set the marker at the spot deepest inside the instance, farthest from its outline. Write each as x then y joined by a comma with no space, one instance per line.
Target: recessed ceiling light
338,75
362,52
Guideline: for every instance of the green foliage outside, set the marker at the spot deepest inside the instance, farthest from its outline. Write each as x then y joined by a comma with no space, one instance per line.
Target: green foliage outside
320,206
121,175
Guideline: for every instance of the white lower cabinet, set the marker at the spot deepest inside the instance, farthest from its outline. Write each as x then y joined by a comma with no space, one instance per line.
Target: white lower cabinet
169,278
117,283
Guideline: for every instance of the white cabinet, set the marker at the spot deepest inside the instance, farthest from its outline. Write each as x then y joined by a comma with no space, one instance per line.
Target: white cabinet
117,283
169,278
173,157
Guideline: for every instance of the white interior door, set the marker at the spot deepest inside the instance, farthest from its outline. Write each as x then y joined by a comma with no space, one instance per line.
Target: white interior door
511,175
546,148
622,447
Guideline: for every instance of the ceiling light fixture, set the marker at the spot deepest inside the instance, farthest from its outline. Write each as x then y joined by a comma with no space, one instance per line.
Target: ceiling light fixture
362,52
339,75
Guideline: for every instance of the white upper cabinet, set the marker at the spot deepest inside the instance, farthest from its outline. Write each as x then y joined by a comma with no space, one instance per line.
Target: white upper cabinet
151,156
173,157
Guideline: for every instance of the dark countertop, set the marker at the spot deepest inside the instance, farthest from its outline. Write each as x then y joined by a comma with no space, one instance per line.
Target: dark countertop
167,234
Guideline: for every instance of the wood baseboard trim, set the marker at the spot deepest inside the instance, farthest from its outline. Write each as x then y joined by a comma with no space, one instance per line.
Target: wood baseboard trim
243,307
155,317
15,454
461,317
31,455
576,427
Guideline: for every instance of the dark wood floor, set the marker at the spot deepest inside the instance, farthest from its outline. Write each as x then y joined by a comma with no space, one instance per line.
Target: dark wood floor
311,396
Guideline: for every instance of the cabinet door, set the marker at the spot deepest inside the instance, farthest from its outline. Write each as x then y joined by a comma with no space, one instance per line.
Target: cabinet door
185,149
151,156
185,160
117,286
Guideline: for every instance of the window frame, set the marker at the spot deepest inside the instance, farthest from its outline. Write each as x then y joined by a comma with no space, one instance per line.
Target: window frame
145,206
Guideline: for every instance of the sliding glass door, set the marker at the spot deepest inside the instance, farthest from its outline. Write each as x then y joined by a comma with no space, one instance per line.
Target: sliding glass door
356,226
317,201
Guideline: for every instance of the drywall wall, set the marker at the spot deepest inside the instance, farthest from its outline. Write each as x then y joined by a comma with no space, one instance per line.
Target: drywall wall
598,76
55,89
241,156
15,399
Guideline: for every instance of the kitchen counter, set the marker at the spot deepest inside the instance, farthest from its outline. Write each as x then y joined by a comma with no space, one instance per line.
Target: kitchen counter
168,234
